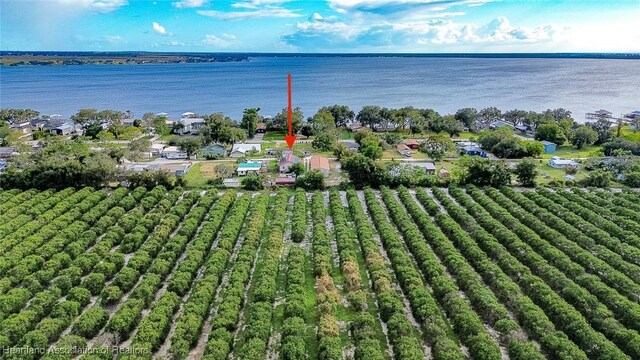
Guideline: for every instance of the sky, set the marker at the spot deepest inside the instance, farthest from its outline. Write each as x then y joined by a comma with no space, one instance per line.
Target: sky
333,26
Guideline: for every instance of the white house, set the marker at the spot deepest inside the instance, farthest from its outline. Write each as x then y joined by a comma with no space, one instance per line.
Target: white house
191,125
249,167
241,150
560,163
172,152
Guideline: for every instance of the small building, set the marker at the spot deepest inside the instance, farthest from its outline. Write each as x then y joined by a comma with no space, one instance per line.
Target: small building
285,181
242,150
429,167
560,163
191,125
498,124
444,173
214,150
23,128
7,152
177,169
231,182
249,167
320,163
356,127
403,149
286,161
64,129
473,151
172,153
549,147
413,144
352,145
261,128
156,148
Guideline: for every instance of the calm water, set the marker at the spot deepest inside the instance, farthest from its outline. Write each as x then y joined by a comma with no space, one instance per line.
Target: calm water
445,84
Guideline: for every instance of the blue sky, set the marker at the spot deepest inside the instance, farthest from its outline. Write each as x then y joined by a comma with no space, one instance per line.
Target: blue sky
322,25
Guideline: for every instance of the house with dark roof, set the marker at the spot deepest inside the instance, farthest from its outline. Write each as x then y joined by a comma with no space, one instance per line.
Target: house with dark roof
286,161
413,144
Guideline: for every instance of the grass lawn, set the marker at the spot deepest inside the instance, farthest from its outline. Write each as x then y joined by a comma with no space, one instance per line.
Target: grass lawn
628,134
568,151
194,177
346,134
166,138
274,135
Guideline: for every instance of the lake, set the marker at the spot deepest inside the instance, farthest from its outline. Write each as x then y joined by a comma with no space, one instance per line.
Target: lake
444,84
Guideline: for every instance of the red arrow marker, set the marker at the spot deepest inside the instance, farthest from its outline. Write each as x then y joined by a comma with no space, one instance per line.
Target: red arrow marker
290,139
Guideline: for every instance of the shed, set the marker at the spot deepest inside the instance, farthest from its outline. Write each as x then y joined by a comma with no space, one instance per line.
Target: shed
413,144
444,173
549,147
285,181
231,182
176,169
320,163
352,145
403,149
429,167
6,152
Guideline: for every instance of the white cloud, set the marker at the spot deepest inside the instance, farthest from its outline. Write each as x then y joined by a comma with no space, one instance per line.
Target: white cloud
267,12
114,39
189,3
390,6
224,41
255,4
102,6
414,35
160,29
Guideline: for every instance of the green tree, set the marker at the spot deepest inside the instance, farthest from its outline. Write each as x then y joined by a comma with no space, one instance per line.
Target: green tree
363,171
488,115
515,117
437,147
550,132
190,145
603,128
370,116
408,117
281,120
584,135
599,179
534,148
452,126
297,169
342,115
312,180
371,148
18,115
250,119
392,138
324,142
482,172
526,171
341,151
467,116
307,131
7,135
252,182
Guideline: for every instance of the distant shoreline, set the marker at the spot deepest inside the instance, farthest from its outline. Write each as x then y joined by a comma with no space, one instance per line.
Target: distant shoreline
59,58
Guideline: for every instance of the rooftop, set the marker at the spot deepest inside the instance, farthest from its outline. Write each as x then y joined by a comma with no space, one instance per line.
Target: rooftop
319,163
250,165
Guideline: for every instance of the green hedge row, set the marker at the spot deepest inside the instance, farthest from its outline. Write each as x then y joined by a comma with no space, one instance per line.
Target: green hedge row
259,308
198,305
401,334
481,298
299,219
566,317
225,320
